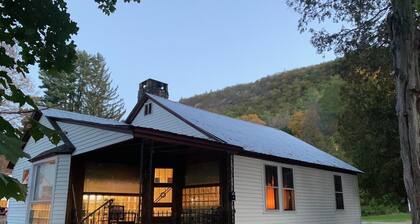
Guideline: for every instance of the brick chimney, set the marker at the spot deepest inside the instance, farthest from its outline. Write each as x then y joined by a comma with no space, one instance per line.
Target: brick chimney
153,87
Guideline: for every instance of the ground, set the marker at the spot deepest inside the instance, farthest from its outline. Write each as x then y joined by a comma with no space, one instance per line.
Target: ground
399,218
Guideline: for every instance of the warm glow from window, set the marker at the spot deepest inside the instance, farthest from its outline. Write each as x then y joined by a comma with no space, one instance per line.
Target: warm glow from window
288,189
163,175
271,188
162,195
40,213
201,197
93,201
162,211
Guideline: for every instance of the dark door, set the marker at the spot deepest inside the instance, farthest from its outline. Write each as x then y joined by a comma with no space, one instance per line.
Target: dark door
163,196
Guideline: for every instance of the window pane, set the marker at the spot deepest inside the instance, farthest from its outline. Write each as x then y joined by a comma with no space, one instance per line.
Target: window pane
271,198
271,178
201,197
163,175
288,200
162,211
339,200
162,195
40,213
337,184
287,177
44,181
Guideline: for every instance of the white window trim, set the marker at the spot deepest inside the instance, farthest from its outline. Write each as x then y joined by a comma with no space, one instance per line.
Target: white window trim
342,192
282,188
31,184
271,211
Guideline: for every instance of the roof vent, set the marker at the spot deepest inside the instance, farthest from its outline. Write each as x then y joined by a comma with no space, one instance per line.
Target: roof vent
153,87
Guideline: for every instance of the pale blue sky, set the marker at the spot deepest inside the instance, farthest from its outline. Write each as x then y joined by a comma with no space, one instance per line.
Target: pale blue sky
193,45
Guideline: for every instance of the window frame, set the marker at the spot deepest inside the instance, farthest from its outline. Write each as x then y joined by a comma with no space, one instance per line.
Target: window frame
33,171
265,189
286,188
147,109
338,192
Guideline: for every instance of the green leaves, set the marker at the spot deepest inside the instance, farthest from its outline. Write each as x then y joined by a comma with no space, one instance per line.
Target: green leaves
11,188
38,131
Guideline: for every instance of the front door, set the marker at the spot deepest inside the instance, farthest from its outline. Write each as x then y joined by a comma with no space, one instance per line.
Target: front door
163,197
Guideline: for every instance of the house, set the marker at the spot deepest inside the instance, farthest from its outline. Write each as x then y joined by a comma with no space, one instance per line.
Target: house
172,163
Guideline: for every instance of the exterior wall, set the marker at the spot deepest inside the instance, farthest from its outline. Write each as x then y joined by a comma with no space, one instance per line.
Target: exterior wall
61,188
161,119
86,138
314,192
17,210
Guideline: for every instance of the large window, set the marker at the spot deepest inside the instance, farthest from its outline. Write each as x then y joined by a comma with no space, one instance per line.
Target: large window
288,189
271,188
40,205
339,200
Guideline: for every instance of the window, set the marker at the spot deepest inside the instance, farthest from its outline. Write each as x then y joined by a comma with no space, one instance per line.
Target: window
25,177
271,188
40,205
339,199
163,192
288,190
148,109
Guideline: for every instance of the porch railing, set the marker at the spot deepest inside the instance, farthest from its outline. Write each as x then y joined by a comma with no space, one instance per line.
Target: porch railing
202,216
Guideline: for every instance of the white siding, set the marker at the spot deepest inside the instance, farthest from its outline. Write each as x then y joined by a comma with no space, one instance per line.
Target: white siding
314,191
17,210
161,119
61,189
86,138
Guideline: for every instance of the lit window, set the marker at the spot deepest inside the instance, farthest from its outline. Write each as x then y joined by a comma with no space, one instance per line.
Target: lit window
271,188
339,200
40,207
148,109
288,190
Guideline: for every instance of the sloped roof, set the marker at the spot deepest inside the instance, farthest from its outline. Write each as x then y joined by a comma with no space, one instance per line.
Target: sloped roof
50,112
252,137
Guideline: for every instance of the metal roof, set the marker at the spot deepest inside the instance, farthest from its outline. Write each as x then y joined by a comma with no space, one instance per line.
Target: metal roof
253,137
50,112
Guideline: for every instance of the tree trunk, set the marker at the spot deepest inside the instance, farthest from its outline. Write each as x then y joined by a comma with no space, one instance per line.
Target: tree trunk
405,47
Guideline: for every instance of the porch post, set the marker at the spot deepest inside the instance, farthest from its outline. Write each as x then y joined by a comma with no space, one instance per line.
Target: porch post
141,156
147,193
227,187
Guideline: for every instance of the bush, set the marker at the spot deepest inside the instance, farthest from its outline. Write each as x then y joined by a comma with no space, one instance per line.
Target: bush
381,206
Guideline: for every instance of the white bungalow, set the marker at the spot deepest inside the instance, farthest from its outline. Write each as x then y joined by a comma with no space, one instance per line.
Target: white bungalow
172,163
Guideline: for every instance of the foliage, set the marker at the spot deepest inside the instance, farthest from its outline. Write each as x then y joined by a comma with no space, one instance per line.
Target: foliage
87,89
252,118
304,102
41,31
378,206
368,126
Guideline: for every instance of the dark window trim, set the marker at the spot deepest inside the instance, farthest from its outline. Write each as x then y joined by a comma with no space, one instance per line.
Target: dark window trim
338,191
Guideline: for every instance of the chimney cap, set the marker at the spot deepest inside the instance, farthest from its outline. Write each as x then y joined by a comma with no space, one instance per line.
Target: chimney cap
154,87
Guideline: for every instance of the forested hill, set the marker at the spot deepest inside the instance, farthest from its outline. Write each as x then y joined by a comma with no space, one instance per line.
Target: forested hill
304,102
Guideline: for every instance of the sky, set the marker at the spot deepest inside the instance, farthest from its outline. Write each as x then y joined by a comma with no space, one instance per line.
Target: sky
195,46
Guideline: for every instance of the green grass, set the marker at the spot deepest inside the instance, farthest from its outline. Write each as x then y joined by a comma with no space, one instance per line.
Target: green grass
398,217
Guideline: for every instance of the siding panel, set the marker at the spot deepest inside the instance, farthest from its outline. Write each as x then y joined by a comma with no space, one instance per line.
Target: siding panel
161,119
17,210
314,192
86,139
61,189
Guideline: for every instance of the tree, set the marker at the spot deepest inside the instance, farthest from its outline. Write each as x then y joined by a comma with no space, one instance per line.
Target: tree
379,23
368,125
87,89
252,118
41,31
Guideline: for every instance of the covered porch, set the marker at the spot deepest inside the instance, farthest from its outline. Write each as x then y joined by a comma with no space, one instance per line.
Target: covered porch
151,179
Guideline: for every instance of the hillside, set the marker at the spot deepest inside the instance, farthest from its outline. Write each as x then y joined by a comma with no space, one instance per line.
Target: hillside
304,102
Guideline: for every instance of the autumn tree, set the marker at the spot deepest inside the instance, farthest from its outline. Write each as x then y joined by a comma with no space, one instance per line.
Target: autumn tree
87,89
252,118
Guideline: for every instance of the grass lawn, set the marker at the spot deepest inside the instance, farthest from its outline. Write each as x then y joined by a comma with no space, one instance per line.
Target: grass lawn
398,217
